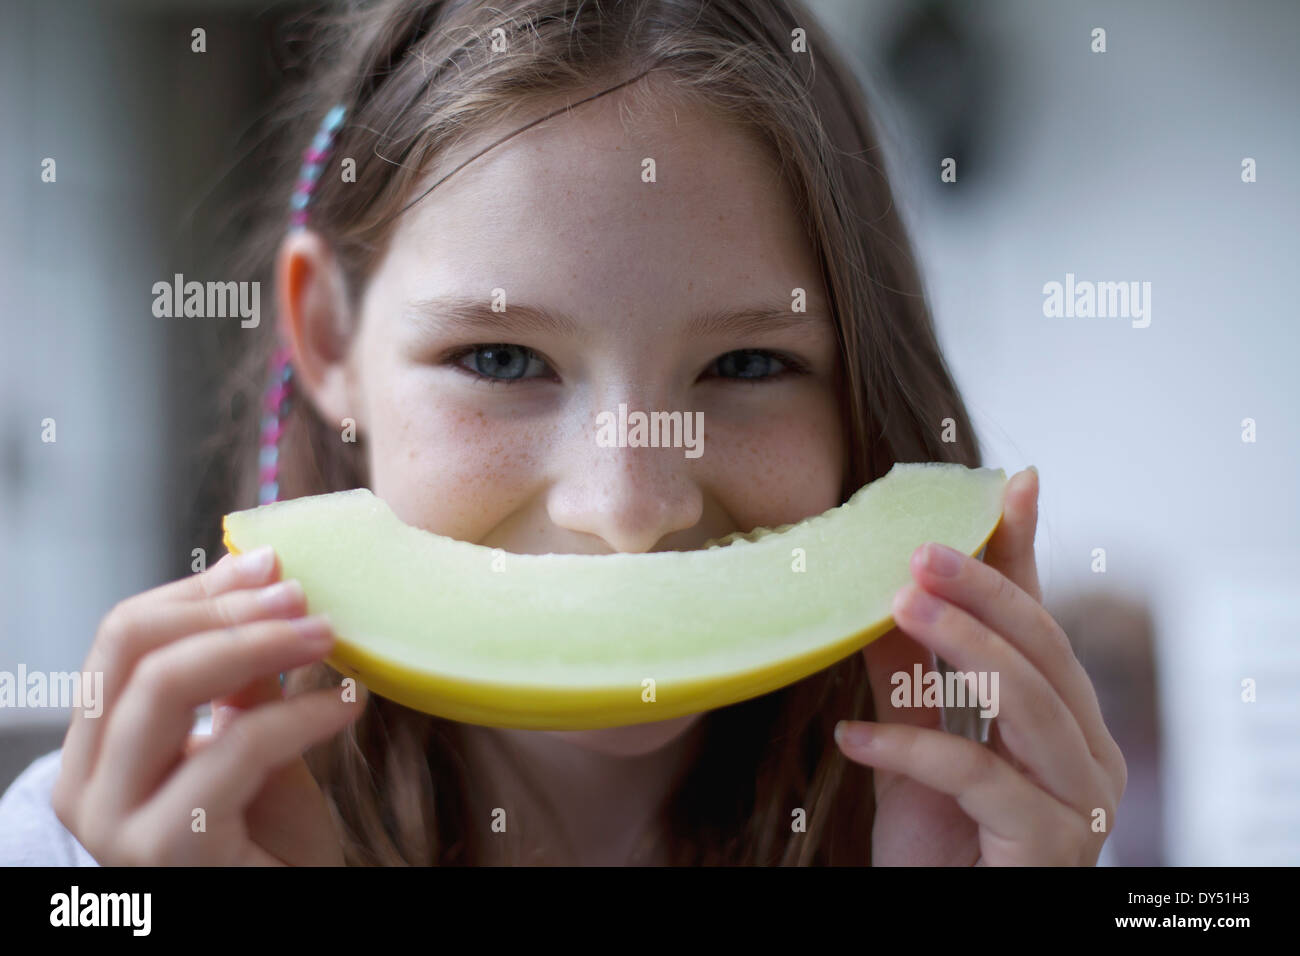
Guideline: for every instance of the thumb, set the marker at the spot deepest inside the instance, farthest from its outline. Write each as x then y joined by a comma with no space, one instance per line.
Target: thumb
1011,549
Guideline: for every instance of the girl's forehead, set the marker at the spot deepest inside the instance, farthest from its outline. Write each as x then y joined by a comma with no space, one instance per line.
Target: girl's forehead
624,201
623,151
608,185
596,235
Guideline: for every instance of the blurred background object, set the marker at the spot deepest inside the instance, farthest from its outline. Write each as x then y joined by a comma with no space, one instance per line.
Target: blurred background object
1169,547
1114,640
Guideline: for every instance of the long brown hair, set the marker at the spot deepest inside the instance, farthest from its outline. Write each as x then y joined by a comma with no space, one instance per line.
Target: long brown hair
416,77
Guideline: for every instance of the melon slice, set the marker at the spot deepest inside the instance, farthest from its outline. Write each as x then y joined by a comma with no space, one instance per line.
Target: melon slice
570,642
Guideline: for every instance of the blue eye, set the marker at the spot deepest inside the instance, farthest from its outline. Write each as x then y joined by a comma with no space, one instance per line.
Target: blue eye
749,364
502,363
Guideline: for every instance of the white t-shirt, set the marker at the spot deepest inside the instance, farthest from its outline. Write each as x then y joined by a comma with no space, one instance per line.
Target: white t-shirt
30,833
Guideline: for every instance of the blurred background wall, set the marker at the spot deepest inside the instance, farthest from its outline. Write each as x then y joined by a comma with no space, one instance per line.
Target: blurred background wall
1117,166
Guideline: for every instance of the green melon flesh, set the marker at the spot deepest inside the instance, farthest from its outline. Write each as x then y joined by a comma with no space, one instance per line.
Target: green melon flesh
566,642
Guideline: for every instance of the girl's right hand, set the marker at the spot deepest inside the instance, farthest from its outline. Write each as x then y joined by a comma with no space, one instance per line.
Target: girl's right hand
134,778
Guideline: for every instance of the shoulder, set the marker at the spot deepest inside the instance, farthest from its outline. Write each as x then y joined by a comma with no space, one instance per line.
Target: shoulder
30,833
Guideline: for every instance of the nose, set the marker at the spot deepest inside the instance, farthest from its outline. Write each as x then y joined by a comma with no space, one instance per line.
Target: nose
629,497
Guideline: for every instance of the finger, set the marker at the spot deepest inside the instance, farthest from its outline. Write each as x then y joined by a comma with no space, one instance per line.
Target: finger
129,630
194,743
999,746
992,598
233,570
1034,722
146,628
1011,548
139,629
230,772
263,690
984,785
156,712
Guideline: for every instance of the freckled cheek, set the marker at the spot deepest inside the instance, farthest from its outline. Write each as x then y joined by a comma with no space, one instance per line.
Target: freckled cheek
447,466
779,468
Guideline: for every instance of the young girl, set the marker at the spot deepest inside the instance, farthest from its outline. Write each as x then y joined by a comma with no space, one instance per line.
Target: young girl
644,186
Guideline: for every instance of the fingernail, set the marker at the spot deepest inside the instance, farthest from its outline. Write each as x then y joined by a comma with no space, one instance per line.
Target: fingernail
314,629
282,596
918,605
942,560
255,564
853,734
1033,469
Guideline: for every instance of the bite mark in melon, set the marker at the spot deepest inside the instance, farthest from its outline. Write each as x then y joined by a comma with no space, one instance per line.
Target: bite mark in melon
572,642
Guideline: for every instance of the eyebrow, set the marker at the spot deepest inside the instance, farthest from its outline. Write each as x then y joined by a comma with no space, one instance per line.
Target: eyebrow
474,316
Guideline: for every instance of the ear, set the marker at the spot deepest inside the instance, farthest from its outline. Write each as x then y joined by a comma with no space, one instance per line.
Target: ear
313,317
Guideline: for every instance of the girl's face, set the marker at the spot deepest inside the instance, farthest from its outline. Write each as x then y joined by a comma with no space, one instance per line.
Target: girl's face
668,296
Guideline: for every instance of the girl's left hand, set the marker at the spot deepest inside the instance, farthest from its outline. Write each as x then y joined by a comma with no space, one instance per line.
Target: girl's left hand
1050,769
